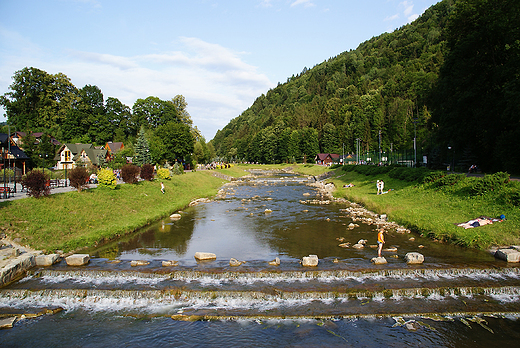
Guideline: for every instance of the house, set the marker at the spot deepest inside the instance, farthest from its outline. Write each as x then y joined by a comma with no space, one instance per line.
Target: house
112,149
17,137
14,157
326,158
71,155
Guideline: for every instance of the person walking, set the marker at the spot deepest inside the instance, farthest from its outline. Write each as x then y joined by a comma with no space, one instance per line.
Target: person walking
162,187
380,241
378,185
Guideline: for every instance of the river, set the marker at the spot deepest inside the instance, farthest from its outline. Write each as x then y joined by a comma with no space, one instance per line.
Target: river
456,298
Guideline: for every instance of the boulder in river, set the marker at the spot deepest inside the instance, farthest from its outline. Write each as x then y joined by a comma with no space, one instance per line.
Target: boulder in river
201,256
414,258
175,216
170,263
509,255
310,261
77,259
275,262
135,263
378,260
235,263
46,260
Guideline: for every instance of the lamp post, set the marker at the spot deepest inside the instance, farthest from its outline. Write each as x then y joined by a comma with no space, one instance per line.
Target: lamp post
415,142
449,162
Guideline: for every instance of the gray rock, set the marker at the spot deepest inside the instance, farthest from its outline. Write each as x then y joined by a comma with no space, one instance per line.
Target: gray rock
310,261
15,267
170,263
7,323
175,216
235,263
136,263
77,259
46,260
378,260
205,256
509,255
414,258
275,262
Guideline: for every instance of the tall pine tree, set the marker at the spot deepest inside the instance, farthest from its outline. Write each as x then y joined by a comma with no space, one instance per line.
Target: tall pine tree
142,149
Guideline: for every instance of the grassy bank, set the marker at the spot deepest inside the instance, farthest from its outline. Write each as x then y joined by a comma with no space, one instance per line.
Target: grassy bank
434,211
72,220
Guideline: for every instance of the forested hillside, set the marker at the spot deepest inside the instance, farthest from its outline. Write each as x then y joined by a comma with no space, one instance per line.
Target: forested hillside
381,94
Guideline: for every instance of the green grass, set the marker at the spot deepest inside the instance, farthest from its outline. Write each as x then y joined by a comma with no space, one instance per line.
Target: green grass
73,220
434,212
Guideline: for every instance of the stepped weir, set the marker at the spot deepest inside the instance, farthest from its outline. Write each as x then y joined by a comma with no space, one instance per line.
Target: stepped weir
454,296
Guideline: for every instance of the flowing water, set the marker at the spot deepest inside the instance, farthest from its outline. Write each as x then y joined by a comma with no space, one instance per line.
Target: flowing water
456,298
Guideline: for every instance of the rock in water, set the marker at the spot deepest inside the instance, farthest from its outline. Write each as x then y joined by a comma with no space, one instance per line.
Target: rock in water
175,216
414,258
509,255
310,261
378,260
235,263
46,260
170,263
275,262
77,259
205,256
135,263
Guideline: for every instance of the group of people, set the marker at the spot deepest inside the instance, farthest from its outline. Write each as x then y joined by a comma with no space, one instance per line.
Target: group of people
380,186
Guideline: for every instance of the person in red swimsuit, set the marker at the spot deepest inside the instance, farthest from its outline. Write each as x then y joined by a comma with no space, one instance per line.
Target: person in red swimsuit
380,241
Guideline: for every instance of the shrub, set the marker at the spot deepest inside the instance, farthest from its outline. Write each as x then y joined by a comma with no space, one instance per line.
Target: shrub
78,178
433,176
449,180
147,172
129,173
489,183
36,184
178,169
163,173
107,178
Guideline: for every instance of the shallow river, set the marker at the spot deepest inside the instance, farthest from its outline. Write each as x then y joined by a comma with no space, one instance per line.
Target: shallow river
457,297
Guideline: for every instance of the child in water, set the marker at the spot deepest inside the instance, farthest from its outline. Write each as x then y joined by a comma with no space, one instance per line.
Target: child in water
380,241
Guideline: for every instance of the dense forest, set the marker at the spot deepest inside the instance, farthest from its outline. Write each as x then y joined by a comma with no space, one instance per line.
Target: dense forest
450,80
50,103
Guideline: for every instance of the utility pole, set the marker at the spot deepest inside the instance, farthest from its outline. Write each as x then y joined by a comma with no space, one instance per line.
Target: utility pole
415,142
380,146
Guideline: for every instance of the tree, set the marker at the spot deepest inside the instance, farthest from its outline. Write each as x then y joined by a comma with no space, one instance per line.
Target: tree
36,184
174,142
78,178
142,149
153,112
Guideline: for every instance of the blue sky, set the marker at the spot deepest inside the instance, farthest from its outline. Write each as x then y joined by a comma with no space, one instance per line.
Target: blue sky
219,54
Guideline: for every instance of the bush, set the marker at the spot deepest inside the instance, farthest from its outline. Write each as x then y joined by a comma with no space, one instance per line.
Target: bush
147,172
107,178
35,183
78,178
489,183
129,173
433,176
178,169
449,180
163,174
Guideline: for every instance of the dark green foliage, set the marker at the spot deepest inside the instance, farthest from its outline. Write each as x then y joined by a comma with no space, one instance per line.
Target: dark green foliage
142,149
433,176
147,172
78,178
409,174
448,180
35,183
490,183
130,173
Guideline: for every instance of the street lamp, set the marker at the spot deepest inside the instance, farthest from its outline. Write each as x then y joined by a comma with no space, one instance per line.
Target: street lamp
415,142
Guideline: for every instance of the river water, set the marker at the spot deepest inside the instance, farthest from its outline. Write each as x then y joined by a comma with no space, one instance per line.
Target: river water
456,298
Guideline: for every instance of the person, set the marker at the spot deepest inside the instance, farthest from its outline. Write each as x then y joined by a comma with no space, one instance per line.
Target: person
378,185
382,186
380,241
162,187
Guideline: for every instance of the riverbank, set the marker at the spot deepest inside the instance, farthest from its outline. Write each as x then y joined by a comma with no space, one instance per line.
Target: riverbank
74,220
433,212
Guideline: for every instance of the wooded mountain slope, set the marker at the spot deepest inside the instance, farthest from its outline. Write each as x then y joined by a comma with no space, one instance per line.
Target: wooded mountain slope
382,93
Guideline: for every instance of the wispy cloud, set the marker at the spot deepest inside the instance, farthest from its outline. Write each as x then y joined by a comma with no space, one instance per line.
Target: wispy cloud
305,3
408,11
266,3
216,82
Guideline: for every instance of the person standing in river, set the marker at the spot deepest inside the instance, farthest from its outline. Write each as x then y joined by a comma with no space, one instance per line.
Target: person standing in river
380,241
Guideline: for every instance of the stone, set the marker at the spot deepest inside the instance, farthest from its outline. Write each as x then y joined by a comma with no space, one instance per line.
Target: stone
362,241
135,263
77,259
414,258
275,262
16,267
358,246
378,260
170,263
46,260
383,217
310,261
9,252
7,323
175,216
344,245
391,249
267,211
509,255
201,256
235,263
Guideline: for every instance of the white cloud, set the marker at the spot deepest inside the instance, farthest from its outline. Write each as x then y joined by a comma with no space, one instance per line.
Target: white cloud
266,3
408,10
305,3
216,82
392,18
